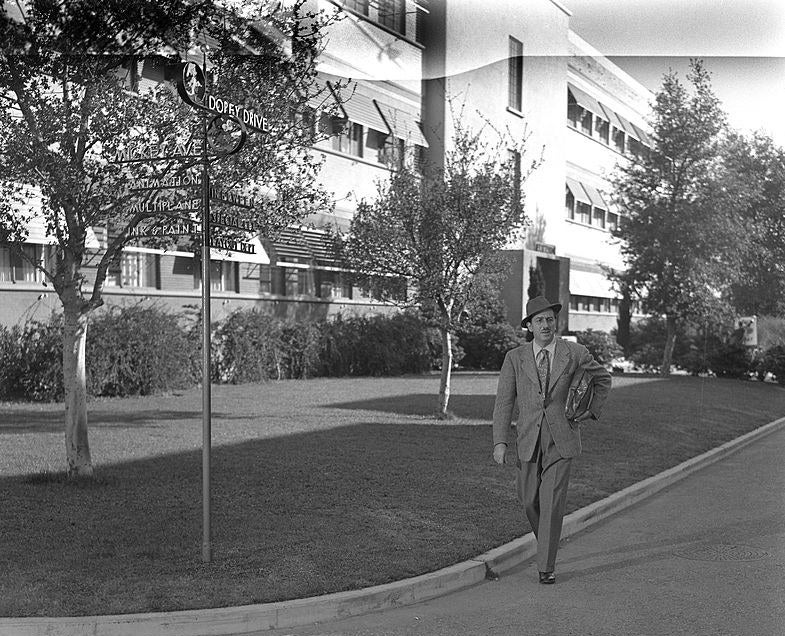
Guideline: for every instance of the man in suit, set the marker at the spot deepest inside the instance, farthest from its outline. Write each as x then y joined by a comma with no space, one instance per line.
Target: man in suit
536,378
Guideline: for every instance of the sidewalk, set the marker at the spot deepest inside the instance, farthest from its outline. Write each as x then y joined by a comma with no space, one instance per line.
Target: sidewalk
702,552
705,556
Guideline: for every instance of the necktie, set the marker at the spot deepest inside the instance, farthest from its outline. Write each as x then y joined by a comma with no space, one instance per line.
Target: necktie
544,370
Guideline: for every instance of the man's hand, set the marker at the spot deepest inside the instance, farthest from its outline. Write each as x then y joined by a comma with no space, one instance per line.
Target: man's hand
583,417
499,451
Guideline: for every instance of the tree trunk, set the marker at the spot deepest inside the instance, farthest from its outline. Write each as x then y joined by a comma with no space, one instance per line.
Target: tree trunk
444,385
77,449
670,342
623,323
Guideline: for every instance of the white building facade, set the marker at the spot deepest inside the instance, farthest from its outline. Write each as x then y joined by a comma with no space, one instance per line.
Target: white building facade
411,69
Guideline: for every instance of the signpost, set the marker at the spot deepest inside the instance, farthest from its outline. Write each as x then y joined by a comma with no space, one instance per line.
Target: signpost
216,142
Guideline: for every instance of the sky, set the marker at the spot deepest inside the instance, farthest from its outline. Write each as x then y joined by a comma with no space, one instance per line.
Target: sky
742,43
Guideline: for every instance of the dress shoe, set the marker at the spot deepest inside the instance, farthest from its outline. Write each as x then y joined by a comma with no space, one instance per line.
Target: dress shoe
547,578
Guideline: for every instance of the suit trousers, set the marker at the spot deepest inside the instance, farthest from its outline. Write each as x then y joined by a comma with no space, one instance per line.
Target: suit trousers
541,485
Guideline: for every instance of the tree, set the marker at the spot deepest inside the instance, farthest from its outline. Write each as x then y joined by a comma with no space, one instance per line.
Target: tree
752,183
679,239
72,101
441,231
536,282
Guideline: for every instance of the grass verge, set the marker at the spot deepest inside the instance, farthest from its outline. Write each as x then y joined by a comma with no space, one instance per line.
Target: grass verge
318,486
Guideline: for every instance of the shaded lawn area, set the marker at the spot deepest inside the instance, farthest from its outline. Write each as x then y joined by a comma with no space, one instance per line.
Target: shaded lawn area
318,486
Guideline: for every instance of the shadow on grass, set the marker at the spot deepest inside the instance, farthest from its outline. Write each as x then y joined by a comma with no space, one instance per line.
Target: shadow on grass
476,407
335,508
293,516
18,421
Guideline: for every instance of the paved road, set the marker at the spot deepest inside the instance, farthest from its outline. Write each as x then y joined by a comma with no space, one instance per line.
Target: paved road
704,557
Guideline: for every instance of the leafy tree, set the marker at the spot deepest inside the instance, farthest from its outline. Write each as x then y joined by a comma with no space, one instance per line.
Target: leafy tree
752,183
441,231
71,100
679,240
536,282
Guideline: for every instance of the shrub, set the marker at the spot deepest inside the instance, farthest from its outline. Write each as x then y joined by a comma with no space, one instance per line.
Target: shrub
138,350
485,346
247,348
731,360
600,344
388,345
774,362
771,331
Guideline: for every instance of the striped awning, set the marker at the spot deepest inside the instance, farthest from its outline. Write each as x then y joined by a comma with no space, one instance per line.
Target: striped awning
290,247
577,191
322,247
590,284
402,124
361,110
585,100
611,116
596,198
628,127
642,136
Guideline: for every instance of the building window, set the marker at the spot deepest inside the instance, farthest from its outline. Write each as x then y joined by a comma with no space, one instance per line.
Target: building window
333,285
613,221
618,139
598,217
349,140
136,269
360,6
15,268
634,147
392,152
586,122
392,14
293,281
515,74
582,212
265,279
594,304
574,113
422,16
224,276
569,204
602,128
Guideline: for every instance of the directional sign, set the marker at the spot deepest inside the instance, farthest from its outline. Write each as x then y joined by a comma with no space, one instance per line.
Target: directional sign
148,184
232,245
144,151
166,206
232,198
182,228
191,86
229,220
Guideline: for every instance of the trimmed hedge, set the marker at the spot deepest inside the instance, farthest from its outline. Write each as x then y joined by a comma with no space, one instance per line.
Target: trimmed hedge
143,349
138,350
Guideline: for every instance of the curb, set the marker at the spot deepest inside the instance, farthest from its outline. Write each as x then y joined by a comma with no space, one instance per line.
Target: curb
299,612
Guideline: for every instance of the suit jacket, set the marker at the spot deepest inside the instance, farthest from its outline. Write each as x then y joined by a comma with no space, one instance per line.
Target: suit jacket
519,385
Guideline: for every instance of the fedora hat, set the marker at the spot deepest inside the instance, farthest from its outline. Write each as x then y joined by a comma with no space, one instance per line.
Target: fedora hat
539,304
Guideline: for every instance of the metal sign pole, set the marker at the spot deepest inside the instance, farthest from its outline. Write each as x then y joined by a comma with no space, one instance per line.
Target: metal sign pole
206,389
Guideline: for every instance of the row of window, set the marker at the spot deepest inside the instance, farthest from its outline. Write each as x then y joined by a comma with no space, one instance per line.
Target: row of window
599,122
597,304
360,141
143,270
389,13
14,268
590,215
598,128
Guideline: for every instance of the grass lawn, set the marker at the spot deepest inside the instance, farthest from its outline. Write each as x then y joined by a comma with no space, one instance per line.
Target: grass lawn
318,486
